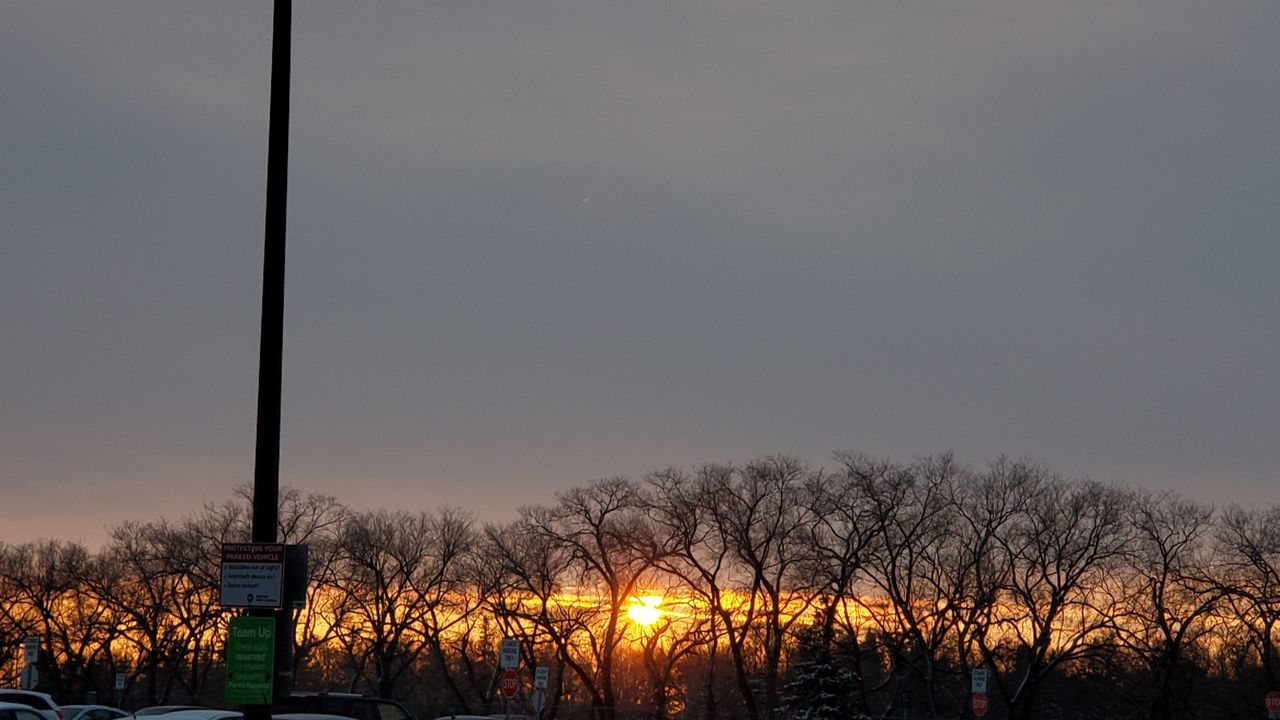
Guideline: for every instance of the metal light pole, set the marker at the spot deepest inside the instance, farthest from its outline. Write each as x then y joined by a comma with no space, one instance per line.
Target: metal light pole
266,466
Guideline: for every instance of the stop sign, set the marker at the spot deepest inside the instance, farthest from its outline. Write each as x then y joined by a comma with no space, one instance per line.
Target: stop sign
510,683
979,704
1273,702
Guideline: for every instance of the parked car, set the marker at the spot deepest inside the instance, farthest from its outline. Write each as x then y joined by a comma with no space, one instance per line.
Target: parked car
308,716
347,705
165,709
92,712
41,702
19,711
201,714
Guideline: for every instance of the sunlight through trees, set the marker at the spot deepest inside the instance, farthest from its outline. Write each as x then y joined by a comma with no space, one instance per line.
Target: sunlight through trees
761,591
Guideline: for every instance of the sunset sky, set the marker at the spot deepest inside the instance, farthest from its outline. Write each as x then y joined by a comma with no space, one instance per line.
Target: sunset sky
536,243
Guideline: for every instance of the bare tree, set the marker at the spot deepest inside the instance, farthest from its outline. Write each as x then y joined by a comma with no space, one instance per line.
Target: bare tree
684,508
766,524
916,559
1249,545
523,576
1062,553
845,525
1169,594
613,548
149,578
392,570
314,520
14,624
986,503
39,583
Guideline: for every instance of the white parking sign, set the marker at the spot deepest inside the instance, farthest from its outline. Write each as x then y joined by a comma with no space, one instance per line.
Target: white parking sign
252,574
979,676
509,658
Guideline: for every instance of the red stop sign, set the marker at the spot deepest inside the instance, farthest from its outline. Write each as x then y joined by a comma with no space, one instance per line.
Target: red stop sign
510,683
979,704
1273,702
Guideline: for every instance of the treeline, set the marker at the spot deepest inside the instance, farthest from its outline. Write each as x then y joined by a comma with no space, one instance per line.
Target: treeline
870,589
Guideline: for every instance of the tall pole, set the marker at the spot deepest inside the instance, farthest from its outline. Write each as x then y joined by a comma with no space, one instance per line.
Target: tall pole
266,465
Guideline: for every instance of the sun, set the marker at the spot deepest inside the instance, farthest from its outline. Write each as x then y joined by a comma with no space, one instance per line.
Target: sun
644,610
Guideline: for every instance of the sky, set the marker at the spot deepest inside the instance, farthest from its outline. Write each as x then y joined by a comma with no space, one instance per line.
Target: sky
531,244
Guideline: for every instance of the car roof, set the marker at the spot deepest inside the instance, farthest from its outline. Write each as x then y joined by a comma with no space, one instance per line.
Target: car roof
43,696
309,716
19,706
76,709
202,714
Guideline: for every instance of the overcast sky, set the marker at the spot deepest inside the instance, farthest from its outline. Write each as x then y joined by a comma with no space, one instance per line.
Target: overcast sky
535,243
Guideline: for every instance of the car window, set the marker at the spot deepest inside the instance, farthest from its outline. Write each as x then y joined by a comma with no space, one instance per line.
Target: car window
362,711
347,707
391,711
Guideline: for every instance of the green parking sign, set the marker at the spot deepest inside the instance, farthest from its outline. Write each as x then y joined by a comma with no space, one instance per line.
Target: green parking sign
251,649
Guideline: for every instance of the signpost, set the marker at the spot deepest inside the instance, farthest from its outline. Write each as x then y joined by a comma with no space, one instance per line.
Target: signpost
119,689
259,594
509,660
979,704
1273,704
538,700
251,644
252,574
30,676
31,653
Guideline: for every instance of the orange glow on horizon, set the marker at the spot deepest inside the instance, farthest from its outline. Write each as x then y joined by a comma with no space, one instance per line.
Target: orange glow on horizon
644,610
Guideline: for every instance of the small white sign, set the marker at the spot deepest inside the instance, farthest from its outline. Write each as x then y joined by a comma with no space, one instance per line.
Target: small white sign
540,677
252,574
509,658
119,681
979,676
31,649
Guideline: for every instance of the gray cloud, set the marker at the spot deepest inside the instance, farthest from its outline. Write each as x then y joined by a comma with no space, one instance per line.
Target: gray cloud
535,243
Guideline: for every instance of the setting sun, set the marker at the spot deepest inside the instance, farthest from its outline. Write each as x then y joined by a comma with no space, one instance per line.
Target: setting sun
644,610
